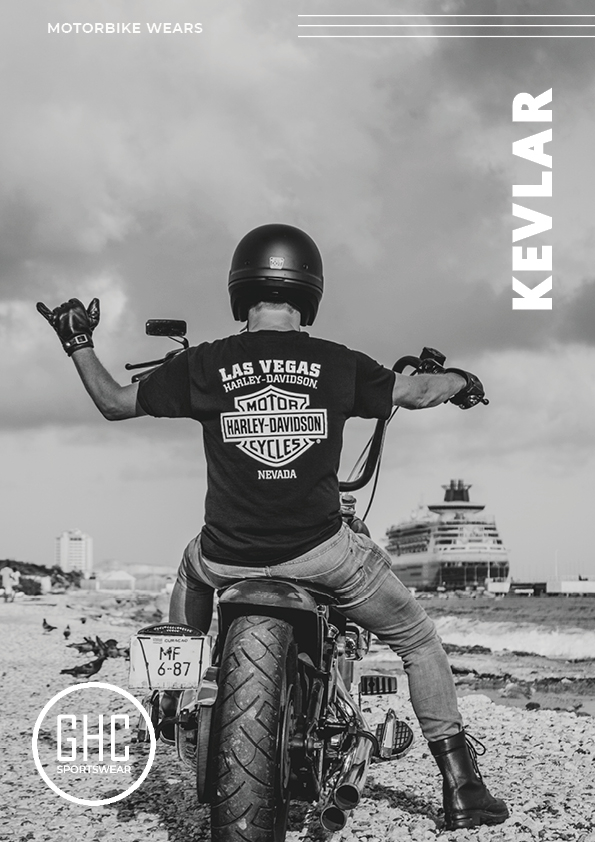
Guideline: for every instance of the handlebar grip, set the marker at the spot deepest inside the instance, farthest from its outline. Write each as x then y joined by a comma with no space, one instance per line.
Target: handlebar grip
153,363
131,366
142,374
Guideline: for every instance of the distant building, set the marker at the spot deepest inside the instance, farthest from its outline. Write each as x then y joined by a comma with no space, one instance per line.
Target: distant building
116,580
582,586
74,551
579,587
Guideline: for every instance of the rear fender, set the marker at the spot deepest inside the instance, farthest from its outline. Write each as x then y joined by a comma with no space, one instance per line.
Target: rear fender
273,598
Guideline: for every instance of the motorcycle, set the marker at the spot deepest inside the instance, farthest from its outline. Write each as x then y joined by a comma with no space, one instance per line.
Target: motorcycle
266,715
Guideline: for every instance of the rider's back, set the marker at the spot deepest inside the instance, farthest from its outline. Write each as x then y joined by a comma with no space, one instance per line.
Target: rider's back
272,405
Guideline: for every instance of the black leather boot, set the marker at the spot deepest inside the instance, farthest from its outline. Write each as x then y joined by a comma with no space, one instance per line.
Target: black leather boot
467,801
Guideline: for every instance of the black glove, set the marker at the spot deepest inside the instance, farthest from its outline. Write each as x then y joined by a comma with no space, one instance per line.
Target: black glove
472,392
73,324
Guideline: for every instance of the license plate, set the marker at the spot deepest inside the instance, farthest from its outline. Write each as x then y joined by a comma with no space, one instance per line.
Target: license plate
166,662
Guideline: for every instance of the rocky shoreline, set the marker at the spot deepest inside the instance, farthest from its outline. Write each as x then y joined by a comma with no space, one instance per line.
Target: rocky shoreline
540,760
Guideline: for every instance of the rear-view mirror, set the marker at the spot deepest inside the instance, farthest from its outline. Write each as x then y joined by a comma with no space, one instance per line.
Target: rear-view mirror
166,327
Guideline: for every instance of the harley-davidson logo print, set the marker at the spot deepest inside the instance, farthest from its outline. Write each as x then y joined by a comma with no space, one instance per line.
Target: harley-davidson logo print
274,426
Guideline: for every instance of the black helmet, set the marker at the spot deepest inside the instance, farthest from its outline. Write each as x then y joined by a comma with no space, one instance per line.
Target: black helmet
276,263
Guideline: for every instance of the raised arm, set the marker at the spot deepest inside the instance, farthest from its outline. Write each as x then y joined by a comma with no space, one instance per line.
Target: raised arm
115,402
75,325
425,390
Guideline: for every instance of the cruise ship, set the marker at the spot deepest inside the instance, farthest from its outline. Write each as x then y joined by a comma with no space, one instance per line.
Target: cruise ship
448,545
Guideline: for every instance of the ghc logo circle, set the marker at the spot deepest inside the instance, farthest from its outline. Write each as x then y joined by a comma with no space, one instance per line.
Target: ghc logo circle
76,732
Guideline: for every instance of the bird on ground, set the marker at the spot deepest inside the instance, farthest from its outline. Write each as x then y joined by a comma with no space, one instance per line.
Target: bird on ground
107,648
46,626
112,648
88,645
66,632
83,620
100,647
85,670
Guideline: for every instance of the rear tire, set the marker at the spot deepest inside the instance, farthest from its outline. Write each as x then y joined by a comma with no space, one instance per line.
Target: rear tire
253,722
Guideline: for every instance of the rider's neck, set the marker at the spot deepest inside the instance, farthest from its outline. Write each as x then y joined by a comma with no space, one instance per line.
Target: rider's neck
263,317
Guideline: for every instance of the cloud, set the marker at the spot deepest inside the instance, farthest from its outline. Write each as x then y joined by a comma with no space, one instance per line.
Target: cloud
130,168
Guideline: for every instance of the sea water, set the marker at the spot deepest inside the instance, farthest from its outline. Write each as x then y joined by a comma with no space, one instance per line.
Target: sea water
561,642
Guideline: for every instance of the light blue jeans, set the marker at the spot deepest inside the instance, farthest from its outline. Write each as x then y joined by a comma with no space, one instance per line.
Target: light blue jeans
359,573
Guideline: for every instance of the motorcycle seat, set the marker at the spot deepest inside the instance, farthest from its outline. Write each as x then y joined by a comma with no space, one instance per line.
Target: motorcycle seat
322,595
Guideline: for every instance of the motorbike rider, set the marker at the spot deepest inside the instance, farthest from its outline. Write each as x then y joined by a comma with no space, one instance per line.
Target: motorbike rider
272,402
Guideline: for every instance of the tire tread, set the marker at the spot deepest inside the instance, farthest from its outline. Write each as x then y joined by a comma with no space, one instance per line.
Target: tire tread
245,728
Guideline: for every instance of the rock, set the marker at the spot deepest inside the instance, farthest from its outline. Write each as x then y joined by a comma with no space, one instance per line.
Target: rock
512,690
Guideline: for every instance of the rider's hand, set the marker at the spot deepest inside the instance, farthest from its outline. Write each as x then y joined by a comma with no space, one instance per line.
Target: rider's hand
73,324
472,392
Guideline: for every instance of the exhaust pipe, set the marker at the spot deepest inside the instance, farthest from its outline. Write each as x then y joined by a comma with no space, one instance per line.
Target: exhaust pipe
352,778
333,818
350,783
349,787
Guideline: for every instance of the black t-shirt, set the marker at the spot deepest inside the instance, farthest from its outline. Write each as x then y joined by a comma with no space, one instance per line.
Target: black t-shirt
272,405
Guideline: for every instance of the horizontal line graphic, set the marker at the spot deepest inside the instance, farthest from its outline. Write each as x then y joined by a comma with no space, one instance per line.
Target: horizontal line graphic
447,16
446,36
434,22
444,25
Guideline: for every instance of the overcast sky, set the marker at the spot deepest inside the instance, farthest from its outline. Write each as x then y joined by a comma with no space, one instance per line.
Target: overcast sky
131,165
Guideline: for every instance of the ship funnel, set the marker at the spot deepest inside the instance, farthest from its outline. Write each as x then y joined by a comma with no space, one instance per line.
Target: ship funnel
457,491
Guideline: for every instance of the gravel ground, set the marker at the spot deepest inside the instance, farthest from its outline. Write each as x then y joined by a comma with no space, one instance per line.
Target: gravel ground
540,761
